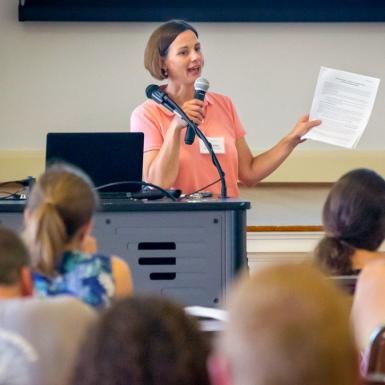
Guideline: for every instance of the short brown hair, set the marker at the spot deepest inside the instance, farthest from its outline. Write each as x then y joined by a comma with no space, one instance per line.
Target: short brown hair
289,325
143,340
159,43
13,257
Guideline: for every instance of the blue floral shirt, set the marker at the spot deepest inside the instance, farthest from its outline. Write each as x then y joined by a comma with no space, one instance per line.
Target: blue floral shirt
87,277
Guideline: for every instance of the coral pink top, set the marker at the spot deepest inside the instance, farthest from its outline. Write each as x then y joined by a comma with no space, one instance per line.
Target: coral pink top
196,169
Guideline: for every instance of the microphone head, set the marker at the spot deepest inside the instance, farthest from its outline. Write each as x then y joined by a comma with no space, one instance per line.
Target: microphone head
151,89
201,84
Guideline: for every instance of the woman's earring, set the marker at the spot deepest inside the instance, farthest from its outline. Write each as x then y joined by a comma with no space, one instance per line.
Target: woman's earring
164,73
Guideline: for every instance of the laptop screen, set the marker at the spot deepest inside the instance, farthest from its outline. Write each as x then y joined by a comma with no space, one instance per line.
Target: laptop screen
107,157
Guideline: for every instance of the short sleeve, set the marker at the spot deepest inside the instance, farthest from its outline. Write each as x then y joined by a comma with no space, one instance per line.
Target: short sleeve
144,119
238,127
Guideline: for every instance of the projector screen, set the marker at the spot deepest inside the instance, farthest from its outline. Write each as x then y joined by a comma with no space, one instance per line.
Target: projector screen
203,10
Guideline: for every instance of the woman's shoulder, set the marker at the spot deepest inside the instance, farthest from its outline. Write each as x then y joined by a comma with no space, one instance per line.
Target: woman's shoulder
219,99
147,115
218,96
147,107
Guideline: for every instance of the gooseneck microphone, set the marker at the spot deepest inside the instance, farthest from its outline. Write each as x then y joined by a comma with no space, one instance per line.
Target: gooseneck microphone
201,86
155,93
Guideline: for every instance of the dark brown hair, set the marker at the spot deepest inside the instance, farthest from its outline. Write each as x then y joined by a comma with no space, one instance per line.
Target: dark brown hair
13,256
143,341
159,43
353,217
61,201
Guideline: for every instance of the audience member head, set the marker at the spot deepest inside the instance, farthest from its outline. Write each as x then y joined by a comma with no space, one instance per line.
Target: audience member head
58,215
288,325
353,218
15,274
159,43
143,341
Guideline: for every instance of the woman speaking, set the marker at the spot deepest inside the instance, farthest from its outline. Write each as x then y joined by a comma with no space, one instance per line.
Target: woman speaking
173,52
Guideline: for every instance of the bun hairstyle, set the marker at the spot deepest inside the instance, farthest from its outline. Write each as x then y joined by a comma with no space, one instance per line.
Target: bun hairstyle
335,256
60,203
353,218
159,43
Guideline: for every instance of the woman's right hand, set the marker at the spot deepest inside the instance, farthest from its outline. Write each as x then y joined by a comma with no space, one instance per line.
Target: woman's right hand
194,110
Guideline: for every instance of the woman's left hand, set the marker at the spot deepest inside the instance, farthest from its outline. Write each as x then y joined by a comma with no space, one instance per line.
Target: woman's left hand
303,126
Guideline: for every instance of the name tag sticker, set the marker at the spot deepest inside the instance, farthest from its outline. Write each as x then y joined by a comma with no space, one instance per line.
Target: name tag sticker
217,142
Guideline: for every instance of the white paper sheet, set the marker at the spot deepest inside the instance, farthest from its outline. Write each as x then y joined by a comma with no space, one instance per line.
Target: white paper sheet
343,101
206,312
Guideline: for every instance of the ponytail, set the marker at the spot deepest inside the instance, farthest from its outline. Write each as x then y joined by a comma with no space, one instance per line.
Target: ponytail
335,256
60,203
46,238
353,217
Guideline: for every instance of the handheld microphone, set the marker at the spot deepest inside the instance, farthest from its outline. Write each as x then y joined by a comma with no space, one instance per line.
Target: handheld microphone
201,86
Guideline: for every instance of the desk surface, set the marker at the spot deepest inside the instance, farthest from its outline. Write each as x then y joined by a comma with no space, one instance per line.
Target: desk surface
158,205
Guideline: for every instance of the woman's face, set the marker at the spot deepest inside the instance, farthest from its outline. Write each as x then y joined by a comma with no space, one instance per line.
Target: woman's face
184,60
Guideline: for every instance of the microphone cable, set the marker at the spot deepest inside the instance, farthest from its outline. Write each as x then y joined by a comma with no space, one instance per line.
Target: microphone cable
20,193
203,188
141,183
27,182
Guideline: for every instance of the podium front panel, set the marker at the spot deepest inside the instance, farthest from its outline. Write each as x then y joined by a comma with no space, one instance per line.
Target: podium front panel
188,253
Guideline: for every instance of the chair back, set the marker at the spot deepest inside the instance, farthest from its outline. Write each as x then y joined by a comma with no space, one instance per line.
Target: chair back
345,282
375,373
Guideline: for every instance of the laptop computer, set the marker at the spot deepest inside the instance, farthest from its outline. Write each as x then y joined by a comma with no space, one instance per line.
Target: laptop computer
107,157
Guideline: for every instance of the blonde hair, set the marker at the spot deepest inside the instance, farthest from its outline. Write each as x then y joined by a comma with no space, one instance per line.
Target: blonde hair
61,201
289,325
159,43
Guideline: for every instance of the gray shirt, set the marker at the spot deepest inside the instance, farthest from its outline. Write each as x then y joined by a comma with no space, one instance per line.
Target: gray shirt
39,339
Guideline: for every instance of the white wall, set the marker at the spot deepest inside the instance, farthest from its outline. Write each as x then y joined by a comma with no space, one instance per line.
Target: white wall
89,76
285,204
